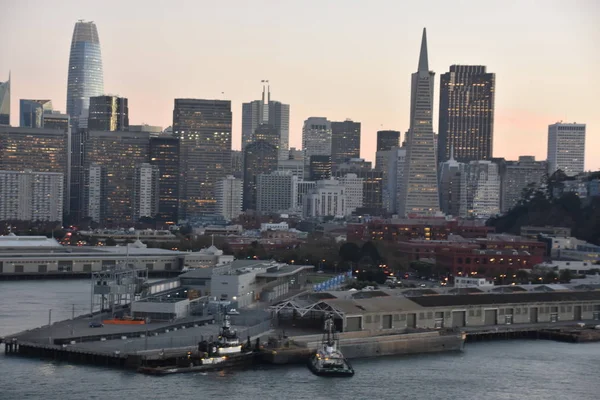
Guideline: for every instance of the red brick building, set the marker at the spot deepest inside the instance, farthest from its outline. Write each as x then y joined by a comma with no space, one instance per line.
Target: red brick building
408,229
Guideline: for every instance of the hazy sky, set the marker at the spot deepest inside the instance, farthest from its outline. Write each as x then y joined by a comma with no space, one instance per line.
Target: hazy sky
338,59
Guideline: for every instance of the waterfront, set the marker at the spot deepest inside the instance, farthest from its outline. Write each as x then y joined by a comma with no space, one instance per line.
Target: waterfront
491,370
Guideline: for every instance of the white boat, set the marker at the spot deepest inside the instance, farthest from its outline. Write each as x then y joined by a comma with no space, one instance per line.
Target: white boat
328,360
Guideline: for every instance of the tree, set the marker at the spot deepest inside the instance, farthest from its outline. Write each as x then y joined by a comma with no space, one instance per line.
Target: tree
110,242
523,276
565,276
550,277
369,249
350,252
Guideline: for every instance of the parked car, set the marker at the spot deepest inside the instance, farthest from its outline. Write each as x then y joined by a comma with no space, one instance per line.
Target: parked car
96,324
233,311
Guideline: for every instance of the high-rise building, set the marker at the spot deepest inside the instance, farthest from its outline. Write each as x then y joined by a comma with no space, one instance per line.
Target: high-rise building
296,167
79,137
85,78
31,196
354,192
229,197
237,163
275,192
56,120
372,183
31,112
108,113
303,188
481,184
518,175
295,154
566,148
5,102
316,138
266,111
420,190
145,191
319,168
392,180
152,129
46,150
386,140
345,141
204,131
113,159
327,199
260,157
466,120
164,153
452,191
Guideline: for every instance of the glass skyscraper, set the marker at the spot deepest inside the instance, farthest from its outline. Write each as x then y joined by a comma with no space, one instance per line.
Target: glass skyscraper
5,102
85,71
31,112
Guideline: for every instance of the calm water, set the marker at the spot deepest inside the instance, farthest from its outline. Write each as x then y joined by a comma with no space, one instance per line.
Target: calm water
493,370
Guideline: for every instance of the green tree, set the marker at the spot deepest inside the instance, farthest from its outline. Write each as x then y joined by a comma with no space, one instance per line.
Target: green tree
565,276
110,242
350,252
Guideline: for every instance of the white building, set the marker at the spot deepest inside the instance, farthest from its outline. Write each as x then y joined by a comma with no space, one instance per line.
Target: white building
354,192
93,192
395,177
303,188
327,199
467,282
316,138
482,188
31,196
566,148
275,192
296,167
229,197
145,194
282,226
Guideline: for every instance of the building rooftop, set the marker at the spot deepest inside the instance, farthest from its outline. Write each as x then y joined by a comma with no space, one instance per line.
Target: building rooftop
286,270
375,304
12,241
504,298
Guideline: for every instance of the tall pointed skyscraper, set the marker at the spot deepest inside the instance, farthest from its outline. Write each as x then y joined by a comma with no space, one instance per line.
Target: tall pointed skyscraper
419,189
5,102
85,72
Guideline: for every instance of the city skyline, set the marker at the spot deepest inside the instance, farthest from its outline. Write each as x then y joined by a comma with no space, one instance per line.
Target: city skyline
524,105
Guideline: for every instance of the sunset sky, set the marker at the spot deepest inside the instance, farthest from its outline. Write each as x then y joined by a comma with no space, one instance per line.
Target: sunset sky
337,59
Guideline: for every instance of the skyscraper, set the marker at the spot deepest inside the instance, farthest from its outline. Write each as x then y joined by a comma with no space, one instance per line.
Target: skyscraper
566,148
229,197
518,175
260,157
108,113
164,153
40,150
31,112
266,111
481,183
466,113
56,120
387,139
452,190
345,141
276,192
204,131
114,159
420,190
145,191
85,71
319,168
5,102
316,138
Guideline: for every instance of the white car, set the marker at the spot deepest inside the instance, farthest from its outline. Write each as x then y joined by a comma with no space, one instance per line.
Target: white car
233,311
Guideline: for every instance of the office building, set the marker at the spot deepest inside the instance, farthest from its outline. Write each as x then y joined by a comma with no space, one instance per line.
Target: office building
516,176
482,186
345,141
229,197
452,191
260,157
302,189
152,129
46,150
112,160
466,120
56,120
275,192
295,154
164,154
108,113
85,78
393,179
266,111
237,163
319,167
5,102
296,167
31,196
372,183
31,112
327,199
354,192
386,140
420,190
316,138
566,148
145,191
204,131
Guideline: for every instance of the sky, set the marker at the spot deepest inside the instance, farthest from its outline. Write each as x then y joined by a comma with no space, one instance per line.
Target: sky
332,58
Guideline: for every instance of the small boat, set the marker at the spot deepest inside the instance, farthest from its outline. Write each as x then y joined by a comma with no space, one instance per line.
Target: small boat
328,360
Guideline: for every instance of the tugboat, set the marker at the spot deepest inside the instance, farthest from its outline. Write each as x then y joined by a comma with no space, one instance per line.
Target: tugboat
328,360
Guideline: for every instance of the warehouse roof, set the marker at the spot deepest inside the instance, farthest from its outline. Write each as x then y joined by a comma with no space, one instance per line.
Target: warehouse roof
504,298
